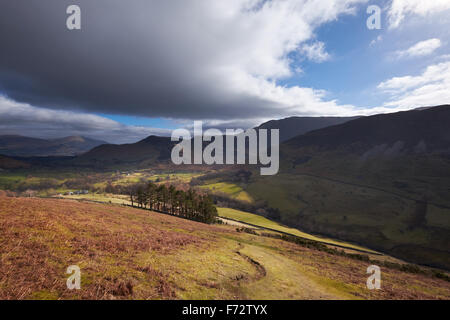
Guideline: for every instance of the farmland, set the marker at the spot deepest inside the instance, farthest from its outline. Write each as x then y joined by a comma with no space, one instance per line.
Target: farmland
51,182
230,189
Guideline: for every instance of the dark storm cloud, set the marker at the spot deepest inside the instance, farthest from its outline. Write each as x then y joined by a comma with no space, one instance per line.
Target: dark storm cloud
124,61
178,59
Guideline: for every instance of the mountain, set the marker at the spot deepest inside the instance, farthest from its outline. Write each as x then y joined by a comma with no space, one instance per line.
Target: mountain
154,148
295,126
411,131
20,146
146,151
381,181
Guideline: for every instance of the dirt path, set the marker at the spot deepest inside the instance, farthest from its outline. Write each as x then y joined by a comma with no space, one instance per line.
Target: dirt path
275,271
260,270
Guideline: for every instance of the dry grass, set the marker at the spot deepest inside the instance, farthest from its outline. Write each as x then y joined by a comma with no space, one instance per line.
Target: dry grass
40,238
127,253
347,275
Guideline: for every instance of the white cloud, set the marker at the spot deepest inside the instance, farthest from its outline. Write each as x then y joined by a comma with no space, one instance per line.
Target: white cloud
400,9
376,40
422,48
315,52
255,52
430,88
443,57
23,119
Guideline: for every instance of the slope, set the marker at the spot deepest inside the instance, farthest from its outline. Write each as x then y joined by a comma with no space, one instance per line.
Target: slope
295,126
381,181
126,253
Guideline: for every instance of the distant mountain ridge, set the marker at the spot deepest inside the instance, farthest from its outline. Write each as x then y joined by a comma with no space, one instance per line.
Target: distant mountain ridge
295,126
428,127
156,148
148,150
21,146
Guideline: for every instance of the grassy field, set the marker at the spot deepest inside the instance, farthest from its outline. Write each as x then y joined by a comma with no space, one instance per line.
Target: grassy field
145,175
105,198
127,253
260,221
231,189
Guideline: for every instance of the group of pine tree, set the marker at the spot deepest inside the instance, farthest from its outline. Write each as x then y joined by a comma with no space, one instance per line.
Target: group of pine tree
187,204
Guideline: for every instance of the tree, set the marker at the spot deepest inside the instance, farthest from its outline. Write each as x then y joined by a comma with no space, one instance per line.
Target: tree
190,204
172,200
151,194
141,198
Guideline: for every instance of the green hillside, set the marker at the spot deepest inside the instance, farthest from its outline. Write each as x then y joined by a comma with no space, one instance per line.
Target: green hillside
381,181
257,220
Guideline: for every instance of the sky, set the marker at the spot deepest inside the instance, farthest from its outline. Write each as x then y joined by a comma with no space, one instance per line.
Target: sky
143,67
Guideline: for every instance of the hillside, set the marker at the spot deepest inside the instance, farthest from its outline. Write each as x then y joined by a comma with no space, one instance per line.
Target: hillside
381,181
257,221
145,152
20,146
416,131
295,126
10,163
127,253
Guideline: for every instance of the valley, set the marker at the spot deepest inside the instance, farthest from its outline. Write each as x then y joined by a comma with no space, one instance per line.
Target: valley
366,199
